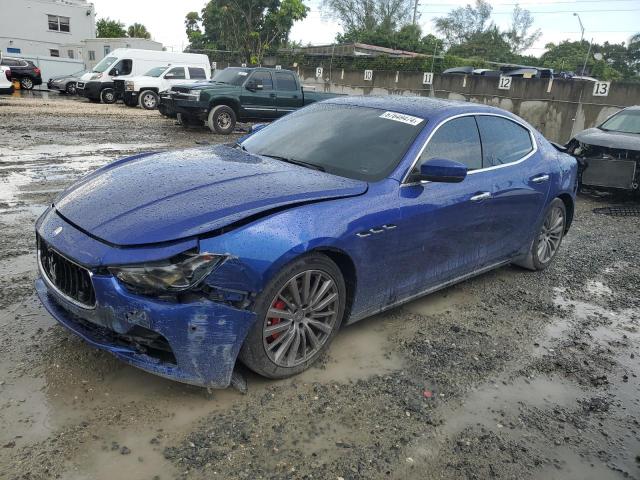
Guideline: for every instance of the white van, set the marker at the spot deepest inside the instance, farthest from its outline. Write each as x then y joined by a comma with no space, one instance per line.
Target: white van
97,85
146,89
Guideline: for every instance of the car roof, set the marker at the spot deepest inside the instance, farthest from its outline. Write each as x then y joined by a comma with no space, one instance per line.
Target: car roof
425,107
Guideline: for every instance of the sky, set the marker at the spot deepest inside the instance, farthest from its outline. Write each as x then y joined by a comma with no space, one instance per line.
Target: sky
613,20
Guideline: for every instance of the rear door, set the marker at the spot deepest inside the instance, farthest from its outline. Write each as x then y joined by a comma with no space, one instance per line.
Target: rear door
444,225
259,102
289,93
520,177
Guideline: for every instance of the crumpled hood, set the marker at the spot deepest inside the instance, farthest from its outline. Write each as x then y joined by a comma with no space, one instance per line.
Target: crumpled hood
602,138
161,197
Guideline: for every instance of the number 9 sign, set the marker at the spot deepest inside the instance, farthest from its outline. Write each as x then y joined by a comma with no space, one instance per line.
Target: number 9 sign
601,89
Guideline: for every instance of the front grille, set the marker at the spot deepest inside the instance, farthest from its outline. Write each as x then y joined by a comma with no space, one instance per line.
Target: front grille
609,173
118,86
181,89
68,278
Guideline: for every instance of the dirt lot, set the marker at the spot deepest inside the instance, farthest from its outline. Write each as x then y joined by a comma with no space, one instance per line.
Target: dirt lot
511,375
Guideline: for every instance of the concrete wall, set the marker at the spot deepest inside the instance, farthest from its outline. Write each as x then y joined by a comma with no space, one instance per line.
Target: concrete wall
558,108
24,25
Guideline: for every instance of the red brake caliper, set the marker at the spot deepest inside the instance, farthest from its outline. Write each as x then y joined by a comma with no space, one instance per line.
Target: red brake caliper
277,305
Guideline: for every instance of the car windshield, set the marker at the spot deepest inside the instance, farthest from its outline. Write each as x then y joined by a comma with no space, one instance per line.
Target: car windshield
155,72
232,76
627,121
104,64
355,142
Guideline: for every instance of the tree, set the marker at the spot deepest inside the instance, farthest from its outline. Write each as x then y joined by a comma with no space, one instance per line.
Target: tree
137,30
250,27
107,28
460,24
518,35
369,15
488,44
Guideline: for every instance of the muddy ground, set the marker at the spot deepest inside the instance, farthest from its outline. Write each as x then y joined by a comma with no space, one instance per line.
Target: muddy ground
511,375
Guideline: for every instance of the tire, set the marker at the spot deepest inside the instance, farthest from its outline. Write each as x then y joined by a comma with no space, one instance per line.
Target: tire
149,99
222,120
26,83
71,88
108,96
548,239
269,355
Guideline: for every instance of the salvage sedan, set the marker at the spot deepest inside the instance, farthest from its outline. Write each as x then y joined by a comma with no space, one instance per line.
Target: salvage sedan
183,262
609,154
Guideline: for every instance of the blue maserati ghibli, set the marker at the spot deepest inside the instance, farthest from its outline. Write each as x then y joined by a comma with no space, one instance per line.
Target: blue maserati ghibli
182,263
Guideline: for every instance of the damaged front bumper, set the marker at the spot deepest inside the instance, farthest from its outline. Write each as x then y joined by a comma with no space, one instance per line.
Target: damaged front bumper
606,167
193,340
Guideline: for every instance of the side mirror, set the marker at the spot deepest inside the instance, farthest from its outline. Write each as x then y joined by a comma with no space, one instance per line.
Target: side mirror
114,72
254,85
442,170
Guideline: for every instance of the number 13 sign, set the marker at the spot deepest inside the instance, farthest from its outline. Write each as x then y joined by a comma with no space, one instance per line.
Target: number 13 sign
601,89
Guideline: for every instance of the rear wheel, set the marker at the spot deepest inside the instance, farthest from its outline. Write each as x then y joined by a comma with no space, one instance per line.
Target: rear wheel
222,120
108,95
149,100
26,83
547,242
298,314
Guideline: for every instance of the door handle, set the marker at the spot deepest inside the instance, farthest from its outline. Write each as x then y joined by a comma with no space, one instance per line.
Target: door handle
540,178
478,197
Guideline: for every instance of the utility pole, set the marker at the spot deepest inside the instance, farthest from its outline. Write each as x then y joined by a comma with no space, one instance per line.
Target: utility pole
415,11
587,57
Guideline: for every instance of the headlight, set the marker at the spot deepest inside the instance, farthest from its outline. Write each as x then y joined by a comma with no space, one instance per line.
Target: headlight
128,86
176,275
195,94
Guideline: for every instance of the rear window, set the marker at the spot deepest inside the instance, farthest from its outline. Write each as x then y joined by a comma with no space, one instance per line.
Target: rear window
503,141
197,73
286,81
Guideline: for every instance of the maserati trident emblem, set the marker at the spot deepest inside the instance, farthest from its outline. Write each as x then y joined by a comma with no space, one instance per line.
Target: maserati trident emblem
57,231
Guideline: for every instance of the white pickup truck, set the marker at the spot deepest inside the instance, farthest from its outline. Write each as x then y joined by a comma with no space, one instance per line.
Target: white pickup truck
145,90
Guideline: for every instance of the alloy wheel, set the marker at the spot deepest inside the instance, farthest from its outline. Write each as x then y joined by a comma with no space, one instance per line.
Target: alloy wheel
223,121
550,234
149,101
27,83
301,318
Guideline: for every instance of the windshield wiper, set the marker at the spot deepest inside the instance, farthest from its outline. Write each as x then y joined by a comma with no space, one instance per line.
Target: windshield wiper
296,162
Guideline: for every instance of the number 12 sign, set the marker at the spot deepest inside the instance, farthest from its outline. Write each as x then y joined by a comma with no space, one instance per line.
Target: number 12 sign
504,83
601,89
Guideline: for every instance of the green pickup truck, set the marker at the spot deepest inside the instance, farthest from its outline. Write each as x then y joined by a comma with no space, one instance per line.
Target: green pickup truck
235,93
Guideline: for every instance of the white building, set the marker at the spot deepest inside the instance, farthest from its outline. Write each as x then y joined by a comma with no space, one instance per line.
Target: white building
54,28
95,49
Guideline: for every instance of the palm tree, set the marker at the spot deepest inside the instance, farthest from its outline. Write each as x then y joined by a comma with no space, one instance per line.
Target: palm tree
137,30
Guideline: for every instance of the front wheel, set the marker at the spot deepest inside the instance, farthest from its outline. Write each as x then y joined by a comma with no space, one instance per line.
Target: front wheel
71,88
222,120
149,100
298,314
108,95
549,237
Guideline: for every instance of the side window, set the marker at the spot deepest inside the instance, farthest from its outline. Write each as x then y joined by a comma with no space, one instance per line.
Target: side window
197,73
263,78
123,67
176,73
286,82
455,140
503,141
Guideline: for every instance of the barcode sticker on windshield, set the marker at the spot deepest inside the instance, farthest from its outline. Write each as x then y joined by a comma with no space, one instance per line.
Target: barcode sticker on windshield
401,117
243,74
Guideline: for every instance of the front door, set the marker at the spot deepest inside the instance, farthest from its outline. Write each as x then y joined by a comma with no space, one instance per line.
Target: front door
258,97
443,226
175,76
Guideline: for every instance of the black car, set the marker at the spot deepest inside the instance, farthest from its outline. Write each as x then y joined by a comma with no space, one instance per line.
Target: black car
609,154
23,70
